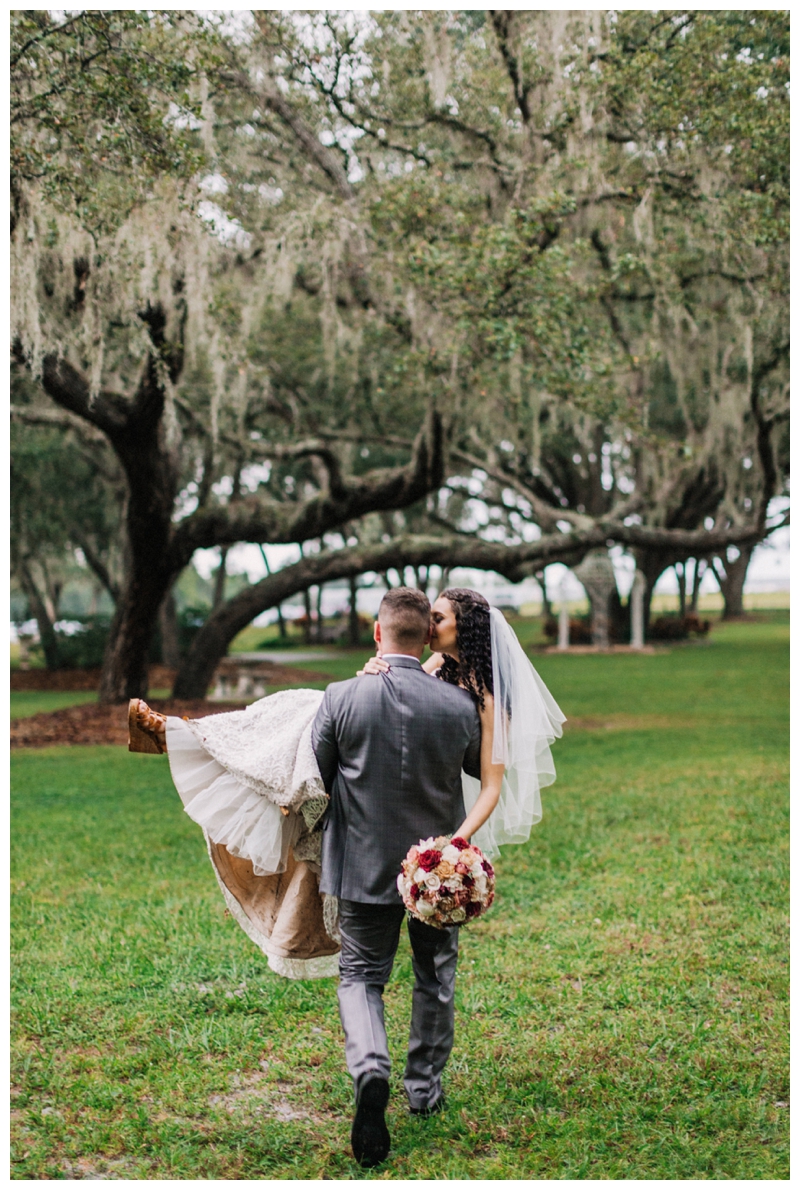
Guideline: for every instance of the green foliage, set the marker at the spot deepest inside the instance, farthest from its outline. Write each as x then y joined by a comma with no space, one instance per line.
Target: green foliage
58,493
711,90
567,228
84,647
102,104
621,1013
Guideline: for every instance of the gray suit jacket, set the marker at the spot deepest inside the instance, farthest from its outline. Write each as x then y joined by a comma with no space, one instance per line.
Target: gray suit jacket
390,749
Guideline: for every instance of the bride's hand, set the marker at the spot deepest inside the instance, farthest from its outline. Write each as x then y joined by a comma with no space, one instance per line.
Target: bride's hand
375,665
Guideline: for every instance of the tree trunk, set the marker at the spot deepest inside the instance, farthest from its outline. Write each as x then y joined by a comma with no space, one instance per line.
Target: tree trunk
354,629
281,621
619,617
51,594
125,663
700,566
652,563
307,604
731,576
680,571
547,607
218,597
168,624
150,462
596,574
211,643
47,636
318,625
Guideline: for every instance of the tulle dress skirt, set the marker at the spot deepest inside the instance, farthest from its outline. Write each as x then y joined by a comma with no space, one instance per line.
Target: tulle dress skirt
250,780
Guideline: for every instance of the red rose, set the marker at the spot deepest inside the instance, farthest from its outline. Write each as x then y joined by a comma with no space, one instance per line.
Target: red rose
414,892
429,859
472,909
459,843
468,881
487,867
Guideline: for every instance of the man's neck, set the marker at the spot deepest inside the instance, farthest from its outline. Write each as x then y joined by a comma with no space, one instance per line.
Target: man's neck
393,651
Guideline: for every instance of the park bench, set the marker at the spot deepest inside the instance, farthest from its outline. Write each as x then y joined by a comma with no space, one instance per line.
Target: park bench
243,677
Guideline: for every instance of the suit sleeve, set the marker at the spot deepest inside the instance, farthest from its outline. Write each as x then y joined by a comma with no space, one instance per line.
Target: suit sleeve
323,741
472,756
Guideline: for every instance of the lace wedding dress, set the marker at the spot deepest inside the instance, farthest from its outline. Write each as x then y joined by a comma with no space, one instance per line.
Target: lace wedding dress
250,780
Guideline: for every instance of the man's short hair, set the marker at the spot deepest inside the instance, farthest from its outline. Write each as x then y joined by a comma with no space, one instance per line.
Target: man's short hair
405,616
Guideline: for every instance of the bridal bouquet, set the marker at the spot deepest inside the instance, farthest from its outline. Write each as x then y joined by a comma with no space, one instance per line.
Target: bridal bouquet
445,882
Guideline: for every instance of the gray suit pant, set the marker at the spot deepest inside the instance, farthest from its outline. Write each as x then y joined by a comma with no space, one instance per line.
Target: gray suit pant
370,934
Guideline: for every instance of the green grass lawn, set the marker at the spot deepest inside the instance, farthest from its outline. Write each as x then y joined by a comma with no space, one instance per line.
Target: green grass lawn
622,1011
31,702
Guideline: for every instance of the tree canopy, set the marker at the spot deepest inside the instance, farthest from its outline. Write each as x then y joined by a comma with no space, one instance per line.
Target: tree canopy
303,269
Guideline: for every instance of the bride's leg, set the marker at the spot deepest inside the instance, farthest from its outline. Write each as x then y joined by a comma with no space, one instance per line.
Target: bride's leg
146,728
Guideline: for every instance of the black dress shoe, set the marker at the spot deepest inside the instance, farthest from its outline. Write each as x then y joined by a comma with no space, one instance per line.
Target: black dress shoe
370,1136
432,1110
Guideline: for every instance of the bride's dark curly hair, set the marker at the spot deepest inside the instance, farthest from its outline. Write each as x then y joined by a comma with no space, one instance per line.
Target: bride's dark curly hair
473,670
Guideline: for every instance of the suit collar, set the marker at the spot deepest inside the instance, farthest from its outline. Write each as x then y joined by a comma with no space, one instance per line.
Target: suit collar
402,661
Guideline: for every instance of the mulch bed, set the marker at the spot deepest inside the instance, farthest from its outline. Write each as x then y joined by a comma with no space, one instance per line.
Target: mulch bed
160,677
95,724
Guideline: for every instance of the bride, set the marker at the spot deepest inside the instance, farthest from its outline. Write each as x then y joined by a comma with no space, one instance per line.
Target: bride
250,780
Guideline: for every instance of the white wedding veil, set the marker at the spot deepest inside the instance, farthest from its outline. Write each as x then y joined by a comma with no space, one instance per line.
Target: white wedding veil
527,720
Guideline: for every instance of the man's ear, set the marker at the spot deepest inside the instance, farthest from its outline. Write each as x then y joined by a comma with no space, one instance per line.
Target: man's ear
376,632
428,634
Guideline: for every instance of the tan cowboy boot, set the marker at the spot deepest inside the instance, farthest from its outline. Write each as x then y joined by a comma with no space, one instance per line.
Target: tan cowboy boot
146,728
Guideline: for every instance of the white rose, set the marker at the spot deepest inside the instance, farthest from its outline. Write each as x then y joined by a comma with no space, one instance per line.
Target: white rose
425,909
402,885
420,876
451,854
458,914
452,884
432,881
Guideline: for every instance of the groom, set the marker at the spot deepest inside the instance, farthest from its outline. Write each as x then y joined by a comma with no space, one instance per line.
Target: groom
390,749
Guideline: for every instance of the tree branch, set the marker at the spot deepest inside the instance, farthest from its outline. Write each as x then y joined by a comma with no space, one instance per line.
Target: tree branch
546,516
69,388
501,22
96,563
31,416
257,520
764,426
513,562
